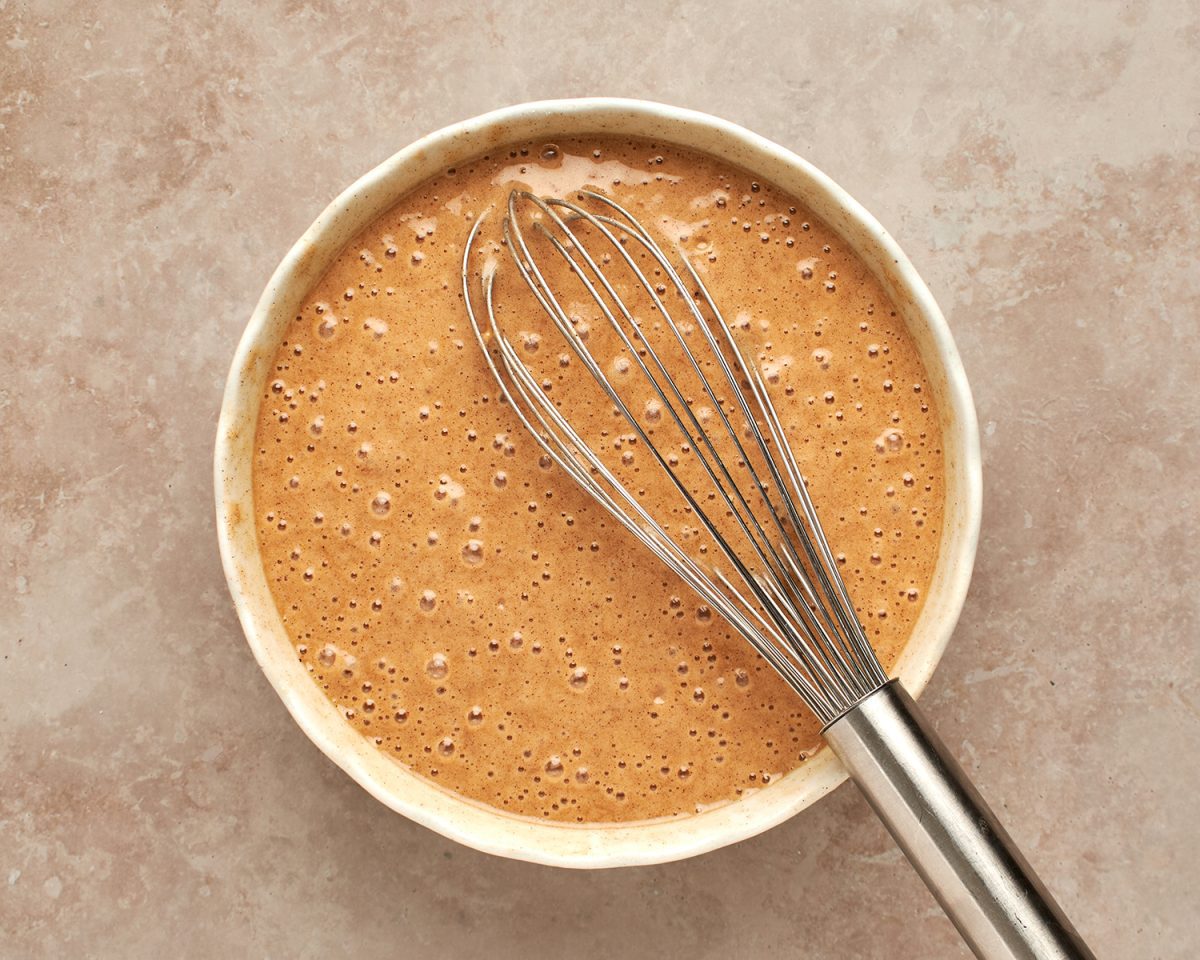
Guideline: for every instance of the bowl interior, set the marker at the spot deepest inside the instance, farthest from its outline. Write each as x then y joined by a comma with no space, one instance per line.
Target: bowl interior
474,824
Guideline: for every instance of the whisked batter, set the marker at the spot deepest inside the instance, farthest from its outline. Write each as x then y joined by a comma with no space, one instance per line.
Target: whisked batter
477,616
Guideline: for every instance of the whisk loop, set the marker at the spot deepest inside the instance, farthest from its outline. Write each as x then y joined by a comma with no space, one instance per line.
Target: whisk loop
783,591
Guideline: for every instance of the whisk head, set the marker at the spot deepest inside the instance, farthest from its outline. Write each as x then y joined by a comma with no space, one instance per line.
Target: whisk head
763,561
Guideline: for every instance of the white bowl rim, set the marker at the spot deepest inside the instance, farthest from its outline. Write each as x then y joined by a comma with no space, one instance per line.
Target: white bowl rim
485,828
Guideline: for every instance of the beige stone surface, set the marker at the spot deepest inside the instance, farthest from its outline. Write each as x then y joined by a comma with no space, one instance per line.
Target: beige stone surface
1039,162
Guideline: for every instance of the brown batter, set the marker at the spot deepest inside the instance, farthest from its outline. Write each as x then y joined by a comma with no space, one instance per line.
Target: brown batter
480,618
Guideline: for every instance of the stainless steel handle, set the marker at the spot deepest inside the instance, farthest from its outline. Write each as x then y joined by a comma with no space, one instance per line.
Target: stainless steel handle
948,833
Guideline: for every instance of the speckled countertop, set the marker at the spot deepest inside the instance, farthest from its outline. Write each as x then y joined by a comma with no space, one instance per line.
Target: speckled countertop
1040,163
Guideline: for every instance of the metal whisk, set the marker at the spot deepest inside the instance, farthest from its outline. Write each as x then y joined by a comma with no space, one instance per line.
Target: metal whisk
774,577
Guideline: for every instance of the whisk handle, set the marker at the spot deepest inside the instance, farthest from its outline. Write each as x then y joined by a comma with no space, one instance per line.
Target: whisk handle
954,841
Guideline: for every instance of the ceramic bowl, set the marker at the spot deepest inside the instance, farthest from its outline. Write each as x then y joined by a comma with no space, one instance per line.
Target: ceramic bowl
474,824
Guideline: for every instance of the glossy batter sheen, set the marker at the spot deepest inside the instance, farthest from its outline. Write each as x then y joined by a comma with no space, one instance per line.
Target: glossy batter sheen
470,610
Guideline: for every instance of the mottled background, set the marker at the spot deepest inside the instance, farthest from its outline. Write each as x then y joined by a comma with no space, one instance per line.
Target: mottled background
1039,163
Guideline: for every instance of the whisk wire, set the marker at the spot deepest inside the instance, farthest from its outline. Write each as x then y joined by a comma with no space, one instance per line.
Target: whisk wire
696,434
565,454
772,560
864,654
797,615
830,673
798,578
848,624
